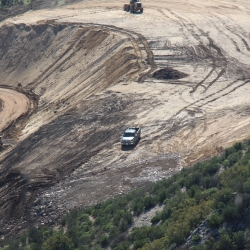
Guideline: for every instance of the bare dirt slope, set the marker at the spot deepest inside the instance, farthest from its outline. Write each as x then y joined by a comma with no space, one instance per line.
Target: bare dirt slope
180,70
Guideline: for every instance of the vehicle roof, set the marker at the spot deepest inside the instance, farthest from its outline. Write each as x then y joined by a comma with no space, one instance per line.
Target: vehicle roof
130,130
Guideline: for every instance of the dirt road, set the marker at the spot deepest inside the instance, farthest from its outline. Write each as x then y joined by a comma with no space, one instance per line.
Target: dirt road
180,70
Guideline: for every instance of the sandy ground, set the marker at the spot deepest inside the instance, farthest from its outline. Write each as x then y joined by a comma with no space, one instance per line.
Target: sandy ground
13,105
91,64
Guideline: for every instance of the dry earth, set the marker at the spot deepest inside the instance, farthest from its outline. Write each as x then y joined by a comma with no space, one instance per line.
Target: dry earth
180,70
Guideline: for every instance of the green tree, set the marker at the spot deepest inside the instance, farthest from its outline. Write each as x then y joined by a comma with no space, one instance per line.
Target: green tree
58,242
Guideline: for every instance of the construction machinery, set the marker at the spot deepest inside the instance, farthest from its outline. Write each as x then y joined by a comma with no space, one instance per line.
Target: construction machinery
131,136
134,6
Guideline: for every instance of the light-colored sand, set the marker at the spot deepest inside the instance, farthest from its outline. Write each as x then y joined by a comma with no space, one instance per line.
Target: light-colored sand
13,105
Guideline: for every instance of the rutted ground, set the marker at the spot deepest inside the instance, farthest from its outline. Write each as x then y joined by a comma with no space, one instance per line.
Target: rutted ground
92,65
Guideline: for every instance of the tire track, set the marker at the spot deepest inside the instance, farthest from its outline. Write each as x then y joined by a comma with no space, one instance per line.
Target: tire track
221,73
238,27
230,38
229,92
234,32
190,27
170,128
211,95
202,81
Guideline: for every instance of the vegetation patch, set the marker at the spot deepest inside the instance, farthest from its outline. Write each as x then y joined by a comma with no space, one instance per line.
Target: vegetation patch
26,2
194,195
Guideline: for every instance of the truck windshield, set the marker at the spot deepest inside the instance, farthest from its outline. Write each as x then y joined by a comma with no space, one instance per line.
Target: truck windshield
128,135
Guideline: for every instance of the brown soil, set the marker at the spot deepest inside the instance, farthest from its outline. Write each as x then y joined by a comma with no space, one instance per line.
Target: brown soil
86,72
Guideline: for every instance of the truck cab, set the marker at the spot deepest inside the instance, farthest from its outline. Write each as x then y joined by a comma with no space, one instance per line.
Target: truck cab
131,136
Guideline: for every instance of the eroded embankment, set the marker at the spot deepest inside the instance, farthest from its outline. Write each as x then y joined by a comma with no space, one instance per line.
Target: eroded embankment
62,65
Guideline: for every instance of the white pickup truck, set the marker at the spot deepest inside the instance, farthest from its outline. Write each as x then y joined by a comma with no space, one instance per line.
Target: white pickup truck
131,136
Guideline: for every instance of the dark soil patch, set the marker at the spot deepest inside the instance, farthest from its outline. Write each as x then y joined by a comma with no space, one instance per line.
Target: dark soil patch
168,73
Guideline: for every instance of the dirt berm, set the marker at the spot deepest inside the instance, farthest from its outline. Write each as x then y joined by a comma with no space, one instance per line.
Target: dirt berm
78,75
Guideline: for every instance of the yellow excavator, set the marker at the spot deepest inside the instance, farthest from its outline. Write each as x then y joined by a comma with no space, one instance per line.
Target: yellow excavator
134,6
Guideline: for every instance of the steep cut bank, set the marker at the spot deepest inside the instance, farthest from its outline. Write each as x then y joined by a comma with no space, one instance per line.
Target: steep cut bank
62,65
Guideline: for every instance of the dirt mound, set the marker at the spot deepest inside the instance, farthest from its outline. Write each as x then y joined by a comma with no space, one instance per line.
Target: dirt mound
168,73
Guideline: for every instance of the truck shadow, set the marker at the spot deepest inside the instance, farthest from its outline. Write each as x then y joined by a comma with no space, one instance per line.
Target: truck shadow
129,147
137,13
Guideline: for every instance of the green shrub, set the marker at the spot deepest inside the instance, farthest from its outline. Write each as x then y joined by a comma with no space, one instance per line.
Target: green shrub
225,163
215,220
193,179
138,206
140,243
225,242
103,240
206,194
23,240
14,245
229,151
238,146
58,242
232,159
239,240
83,217
149,202
229,212
246,186
212,169
196,238
161,196
123,246
155,219
34,246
